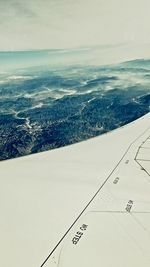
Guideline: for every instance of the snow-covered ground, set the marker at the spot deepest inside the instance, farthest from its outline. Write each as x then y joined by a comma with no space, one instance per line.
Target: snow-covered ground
85,205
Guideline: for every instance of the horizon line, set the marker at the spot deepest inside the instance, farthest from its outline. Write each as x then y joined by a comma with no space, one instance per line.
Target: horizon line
72,48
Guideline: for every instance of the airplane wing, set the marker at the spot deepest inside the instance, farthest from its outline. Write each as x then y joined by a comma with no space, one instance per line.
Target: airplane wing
85,205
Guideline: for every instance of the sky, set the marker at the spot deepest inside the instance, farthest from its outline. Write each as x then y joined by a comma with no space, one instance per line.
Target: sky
47,24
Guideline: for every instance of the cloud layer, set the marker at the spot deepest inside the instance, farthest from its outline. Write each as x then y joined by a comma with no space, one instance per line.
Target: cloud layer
39,24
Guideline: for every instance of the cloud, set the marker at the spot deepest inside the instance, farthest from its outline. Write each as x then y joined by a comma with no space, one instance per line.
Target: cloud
67,24
12,9
23,10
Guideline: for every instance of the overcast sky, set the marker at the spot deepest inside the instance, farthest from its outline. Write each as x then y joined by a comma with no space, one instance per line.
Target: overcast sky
39,24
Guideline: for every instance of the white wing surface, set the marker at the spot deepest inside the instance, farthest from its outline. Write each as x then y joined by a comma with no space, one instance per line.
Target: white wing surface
83,205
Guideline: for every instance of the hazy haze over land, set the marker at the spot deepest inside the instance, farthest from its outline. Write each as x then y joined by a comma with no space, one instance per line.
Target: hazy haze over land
45,107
